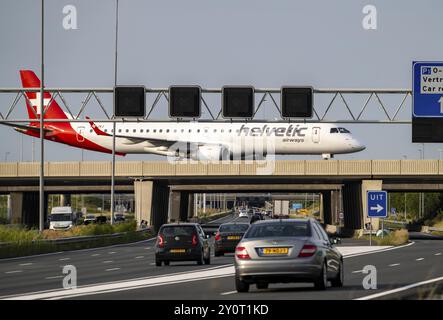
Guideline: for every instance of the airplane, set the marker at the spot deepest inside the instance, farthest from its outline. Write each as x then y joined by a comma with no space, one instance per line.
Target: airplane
197,140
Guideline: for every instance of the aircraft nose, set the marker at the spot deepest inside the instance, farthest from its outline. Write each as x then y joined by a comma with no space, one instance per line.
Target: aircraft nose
358,146
355,144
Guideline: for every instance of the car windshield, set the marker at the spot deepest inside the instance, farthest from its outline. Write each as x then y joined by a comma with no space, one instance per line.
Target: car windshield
90,217
178,231
60,217
234,228
286,229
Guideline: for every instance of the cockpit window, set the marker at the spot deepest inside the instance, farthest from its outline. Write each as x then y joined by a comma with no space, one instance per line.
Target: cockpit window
341,130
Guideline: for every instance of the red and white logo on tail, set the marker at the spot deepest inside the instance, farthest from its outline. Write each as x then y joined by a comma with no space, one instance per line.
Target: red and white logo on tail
62,132
30,80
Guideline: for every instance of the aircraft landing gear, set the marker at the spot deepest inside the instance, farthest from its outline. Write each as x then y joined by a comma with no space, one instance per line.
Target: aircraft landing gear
327,156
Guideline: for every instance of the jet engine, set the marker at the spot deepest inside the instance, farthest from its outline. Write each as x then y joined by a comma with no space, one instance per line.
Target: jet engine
209,153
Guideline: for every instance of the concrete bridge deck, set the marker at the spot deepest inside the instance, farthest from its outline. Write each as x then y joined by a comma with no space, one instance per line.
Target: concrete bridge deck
277,168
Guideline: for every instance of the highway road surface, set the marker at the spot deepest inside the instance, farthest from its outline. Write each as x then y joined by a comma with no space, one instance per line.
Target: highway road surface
128,272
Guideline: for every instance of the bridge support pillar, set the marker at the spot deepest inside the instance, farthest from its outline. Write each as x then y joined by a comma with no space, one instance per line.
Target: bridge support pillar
151,203
191,205
336,206
23,208
355,204
330,204
326,212
352,205
15,203
180,205
65,200
174,206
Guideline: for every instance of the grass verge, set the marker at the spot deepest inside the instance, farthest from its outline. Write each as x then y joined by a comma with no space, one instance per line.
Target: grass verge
22,242
395,238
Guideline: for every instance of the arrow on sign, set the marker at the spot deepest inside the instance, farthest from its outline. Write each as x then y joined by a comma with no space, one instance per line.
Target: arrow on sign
378,208
441,104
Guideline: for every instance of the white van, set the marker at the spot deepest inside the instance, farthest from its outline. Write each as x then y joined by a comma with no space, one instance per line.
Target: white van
61,218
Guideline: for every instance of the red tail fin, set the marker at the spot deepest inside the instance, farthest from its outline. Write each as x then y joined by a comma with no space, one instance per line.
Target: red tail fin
30,80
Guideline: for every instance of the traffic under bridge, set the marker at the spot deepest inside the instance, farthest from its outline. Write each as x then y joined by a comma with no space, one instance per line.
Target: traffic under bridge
163,191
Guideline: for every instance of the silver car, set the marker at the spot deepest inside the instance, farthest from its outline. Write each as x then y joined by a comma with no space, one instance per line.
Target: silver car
289,250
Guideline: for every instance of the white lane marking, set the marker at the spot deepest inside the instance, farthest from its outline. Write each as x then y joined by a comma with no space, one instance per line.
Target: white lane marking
64,259
152,264
139,257
131,285
33,256
226,293
351,250
419,259
13,271
112,269
108,261
394,264
54,277
357,271
147,248
414,285
26,264
112,252
438,254
95,255
375,251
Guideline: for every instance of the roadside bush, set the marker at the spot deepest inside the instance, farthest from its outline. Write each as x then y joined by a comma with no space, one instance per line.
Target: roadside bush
17,234
20,234
125,227
395,238
95,229
3,220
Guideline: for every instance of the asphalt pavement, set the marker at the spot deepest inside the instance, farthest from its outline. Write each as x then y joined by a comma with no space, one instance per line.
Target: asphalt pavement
128,272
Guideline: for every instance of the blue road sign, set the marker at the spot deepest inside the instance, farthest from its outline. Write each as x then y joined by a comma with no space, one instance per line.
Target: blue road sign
296,206
377,204
427,89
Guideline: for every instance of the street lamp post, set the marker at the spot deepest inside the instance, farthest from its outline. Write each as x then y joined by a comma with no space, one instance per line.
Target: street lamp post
42,113
421,200
114,130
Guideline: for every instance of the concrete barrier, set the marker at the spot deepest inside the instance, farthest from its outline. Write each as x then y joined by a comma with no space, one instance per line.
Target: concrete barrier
427,229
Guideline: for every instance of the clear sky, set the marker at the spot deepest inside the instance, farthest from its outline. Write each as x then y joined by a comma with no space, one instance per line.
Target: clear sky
213,43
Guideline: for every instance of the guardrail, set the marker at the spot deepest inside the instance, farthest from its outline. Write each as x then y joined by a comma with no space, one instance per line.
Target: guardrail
394,225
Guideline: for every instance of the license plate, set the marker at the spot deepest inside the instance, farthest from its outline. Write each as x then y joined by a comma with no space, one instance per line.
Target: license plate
233,237
177,251
272,251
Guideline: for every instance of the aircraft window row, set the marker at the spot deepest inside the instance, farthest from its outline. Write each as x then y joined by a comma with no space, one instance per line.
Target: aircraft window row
189,130
341,130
